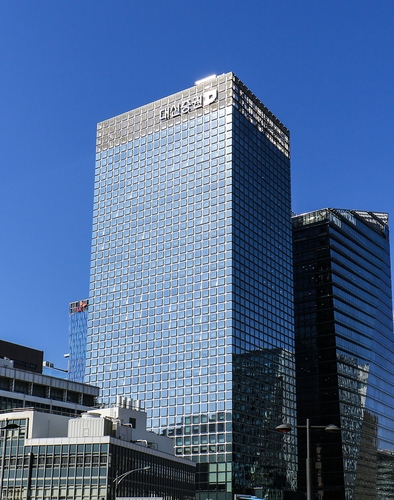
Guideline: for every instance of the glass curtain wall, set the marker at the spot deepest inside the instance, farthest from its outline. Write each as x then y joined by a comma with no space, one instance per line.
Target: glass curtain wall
191,296
344,350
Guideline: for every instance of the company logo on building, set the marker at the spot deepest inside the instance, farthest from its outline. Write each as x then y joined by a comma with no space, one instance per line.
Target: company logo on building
188,105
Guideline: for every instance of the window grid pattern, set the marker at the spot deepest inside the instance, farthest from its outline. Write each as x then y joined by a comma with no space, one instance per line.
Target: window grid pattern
344,351
78,326
87,471
167,317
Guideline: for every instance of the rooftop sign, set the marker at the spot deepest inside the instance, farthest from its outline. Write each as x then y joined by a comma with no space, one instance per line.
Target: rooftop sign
188,105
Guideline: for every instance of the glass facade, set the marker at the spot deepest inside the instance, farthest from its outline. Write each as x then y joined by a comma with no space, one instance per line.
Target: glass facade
191,302
345,351
78,327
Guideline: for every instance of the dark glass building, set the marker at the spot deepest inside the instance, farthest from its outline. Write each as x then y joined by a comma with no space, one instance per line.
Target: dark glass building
345,352
191,299
22,357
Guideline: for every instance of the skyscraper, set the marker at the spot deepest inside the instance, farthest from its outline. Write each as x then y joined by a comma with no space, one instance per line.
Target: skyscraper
345,351
191,301
78,326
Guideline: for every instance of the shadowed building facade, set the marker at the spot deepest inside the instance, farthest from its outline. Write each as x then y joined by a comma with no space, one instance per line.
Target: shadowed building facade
191,298
344,351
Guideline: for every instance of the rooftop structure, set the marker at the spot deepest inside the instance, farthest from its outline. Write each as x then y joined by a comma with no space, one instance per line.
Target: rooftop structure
22,357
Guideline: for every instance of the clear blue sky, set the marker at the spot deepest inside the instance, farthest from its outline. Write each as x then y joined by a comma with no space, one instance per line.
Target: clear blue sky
325,69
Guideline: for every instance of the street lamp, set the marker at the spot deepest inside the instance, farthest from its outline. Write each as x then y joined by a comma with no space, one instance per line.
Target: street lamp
5,428
285,428
120,478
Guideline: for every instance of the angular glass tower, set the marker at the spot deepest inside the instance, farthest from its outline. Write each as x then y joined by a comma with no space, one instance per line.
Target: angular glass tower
191,301
345,351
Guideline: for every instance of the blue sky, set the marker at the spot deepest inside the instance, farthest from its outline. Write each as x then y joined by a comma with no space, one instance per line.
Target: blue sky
325,69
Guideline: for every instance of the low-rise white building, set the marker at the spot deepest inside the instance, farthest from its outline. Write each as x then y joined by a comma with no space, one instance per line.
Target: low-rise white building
103,454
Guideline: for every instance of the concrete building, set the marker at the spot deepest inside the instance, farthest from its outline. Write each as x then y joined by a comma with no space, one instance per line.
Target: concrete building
23,358
101,455
25,388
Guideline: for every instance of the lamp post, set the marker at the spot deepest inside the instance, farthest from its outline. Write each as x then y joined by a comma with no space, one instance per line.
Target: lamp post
120,478
5,428
285,428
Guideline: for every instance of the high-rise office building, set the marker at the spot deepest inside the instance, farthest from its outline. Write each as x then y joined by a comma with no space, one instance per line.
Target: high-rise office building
191,298
345,351
78,327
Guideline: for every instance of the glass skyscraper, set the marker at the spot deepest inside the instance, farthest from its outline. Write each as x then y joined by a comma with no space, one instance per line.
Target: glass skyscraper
191,298
345,352
78,327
